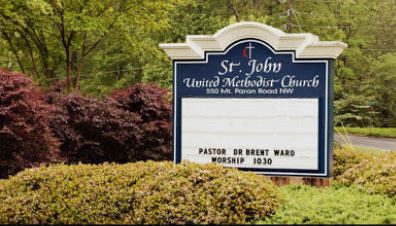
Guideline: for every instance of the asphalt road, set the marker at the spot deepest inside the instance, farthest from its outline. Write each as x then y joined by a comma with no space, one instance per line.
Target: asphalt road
369,142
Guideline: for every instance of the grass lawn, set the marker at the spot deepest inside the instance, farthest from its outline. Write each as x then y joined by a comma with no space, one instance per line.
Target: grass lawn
378,132
368,151
309,205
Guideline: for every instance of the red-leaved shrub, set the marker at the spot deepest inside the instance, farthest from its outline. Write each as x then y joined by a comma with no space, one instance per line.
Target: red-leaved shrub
92,130
148,100
25,138
151,103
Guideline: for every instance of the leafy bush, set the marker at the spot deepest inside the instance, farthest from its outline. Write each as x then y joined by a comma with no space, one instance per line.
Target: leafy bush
92,130
151,103
208,194
336,144
131,125
25,138
309,205
373,175
136,193
147,100
345,159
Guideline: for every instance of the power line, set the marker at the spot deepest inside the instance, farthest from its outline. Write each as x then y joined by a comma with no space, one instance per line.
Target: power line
342,26
102,72
366,86
376,49
318,1
351,15
311,13
294,13
335,1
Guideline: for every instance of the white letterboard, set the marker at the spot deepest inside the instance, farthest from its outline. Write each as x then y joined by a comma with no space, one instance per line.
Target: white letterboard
273,133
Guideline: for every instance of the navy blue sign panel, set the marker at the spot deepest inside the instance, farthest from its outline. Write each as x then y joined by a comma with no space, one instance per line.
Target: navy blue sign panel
256,109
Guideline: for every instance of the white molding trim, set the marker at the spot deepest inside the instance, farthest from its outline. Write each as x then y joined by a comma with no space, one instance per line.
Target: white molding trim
306,45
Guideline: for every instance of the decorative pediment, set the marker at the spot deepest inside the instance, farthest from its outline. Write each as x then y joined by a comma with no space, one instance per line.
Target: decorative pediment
305,45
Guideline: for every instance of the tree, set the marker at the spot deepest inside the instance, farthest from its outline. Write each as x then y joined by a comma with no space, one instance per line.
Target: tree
66,30
384,88
99,46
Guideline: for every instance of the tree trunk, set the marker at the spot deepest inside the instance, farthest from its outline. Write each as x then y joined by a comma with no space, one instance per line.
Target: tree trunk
233,10
80,64
68,69
139,75
289,16
31,54
34,65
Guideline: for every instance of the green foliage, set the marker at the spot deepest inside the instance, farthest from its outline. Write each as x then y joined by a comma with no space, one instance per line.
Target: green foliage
354,110
384,88
106,45
344,159
309,205
138,193
210,195
378,132
59,37
376,176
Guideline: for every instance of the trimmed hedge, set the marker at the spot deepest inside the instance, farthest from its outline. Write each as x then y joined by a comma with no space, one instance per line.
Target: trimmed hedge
309,205
373,175
136,193
345,159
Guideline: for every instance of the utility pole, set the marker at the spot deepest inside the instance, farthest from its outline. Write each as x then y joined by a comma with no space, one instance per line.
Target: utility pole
289,16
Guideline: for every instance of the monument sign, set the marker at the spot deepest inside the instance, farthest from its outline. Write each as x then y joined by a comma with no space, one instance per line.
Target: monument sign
255,98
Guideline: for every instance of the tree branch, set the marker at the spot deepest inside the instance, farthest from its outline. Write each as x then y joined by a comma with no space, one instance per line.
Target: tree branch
14,51
236,14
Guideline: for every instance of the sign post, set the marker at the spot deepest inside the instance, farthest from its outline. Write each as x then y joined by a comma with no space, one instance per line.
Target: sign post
255,98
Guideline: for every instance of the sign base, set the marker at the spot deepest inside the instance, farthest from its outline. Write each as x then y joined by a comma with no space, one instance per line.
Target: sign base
312,181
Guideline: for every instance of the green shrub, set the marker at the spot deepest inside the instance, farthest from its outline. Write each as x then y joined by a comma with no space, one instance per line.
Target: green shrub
309,205
142,192
373,175
336,144
345,159
205,194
